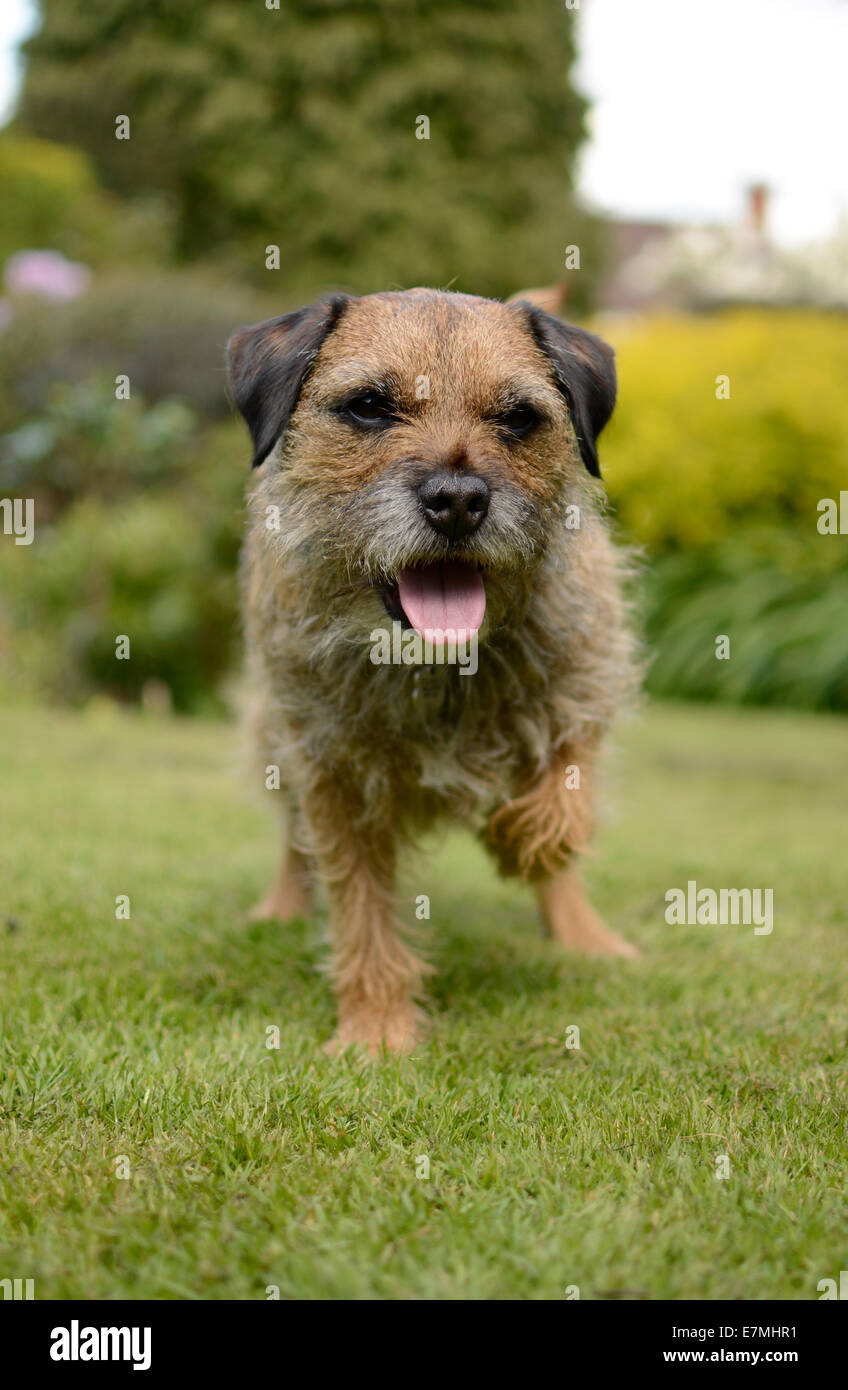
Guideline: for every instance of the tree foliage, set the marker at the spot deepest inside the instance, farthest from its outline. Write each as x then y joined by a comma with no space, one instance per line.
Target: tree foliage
297,127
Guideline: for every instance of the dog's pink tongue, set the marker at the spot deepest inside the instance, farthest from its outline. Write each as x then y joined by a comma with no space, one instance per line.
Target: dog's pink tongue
447,597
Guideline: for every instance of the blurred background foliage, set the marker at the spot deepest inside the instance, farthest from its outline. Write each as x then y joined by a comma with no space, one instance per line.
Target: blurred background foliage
250,127
297,127
723,493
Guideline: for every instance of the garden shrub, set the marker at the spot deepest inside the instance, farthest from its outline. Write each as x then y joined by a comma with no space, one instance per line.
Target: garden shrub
684,468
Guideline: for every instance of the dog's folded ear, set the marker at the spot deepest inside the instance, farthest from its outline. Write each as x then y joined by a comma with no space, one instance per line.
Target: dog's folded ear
584,370
267,364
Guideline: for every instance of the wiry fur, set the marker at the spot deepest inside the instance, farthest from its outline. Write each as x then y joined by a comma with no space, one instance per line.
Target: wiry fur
371,754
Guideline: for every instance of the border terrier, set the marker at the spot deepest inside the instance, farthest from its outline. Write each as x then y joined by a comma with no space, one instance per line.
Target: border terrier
427,474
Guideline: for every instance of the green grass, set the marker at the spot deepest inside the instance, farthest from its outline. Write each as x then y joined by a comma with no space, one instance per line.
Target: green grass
549,1167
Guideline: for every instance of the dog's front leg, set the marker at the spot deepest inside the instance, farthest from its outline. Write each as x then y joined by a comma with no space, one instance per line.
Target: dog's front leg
539,834
376,977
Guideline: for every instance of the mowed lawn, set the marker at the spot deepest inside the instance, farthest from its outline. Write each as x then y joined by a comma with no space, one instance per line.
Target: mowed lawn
139,1046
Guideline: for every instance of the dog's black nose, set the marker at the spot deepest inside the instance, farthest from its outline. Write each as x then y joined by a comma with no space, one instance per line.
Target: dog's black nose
454,503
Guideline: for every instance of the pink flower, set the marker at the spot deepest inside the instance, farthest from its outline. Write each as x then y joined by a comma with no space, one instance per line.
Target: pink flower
47,273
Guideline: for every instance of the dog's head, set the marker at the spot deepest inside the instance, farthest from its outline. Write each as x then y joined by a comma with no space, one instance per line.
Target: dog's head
423,444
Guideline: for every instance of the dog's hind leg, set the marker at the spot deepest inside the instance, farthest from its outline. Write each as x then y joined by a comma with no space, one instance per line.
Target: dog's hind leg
571,919
289,894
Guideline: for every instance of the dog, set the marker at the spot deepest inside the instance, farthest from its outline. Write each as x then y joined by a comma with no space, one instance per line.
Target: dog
427,470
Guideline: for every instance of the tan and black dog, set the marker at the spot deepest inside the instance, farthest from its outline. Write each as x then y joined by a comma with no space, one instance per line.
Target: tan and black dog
427,466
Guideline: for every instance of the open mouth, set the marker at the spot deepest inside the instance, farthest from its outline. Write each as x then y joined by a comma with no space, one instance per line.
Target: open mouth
448,597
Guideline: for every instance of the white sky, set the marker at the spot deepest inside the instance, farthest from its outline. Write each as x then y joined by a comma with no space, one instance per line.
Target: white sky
17,20
693,100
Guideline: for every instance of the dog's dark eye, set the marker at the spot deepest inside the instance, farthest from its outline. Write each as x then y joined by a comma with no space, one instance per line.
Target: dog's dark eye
519,421
370,408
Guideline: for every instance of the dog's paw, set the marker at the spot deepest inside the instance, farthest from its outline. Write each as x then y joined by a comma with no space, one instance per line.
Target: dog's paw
280,904
574,923
377,1033
585,933
609,943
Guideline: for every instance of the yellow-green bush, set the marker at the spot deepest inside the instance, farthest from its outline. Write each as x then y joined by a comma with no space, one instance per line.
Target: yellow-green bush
685,468
723,496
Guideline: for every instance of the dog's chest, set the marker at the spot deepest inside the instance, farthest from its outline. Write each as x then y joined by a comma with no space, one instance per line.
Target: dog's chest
452,736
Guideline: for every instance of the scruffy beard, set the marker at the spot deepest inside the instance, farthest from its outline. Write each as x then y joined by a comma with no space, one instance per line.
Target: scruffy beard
344,553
